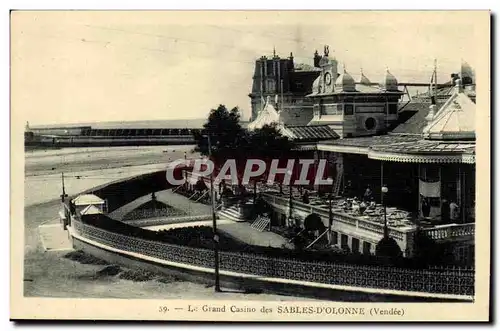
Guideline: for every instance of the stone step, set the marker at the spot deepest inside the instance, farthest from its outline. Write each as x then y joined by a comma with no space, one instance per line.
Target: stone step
231,213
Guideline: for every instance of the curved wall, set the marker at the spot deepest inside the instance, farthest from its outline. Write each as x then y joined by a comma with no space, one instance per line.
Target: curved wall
245,270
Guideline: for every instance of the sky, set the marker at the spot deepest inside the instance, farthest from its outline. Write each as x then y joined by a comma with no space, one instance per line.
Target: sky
77,67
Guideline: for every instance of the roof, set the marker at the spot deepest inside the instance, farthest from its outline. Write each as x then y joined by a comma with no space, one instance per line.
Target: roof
428,147
426,151
404,148
87,199
445,92
305,67
361,88
454,120
416,123
90,210
314,132
268,115
363,79
148,124
371,140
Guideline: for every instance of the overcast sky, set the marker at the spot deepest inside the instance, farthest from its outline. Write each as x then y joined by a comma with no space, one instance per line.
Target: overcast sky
70,67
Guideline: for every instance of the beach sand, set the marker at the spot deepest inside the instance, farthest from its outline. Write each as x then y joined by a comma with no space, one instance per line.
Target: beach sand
50,274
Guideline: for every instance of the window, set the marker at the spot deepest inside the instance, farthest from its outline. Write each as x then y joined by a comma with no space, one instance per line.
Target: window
343,241
335,237
348,110
393,109
355,245
269,68
370,123
367,248
270,86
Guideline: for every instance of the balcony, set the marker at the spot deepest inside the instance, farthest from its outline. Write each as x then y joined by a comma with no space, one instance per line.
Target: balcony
400,233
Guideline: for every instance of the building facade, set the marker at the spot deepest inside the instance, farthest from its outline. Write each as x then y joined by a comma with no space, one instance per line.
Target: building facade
353,108
286,83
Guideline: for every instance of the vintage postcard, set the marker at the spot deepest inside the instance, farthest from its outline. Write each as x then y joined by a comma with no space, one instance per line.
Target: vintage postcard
250,165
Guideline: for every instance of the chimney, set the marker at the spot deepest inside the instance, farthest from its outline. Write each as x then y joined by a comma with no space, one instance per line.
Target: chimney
317,57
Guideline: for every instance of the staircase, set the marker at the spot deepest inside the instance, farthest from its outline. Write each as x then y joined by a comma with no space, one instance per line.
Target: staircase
231,213
261,223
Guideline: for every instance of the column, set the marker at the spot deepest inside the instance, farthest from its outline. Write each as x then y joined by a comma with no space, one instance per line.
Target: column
316,161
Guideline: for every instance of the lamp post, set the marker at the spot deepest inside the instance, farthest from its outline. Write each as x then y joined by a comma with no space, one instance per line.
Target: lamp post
214,219
289,172
63,195
330,213
384,192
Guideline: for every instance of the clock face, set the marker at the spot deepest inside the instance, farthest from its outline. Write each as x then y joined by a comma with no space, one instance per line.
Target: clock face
328,78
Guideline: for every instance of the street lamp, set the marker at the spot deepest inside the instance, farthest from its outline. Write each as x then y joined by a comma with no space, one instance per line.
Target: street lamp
214,218
330,212
289,173
384,192
63,194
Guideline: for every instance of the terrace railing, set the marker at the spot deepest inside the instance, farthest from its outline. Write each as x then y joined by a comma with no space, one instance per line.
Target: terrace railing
354,221
451,231
456,281
443,232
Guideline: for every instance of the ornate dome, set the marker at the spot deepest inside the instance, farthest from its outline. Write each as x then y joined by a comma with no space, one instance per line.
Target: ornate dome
390,82
363,79
345,83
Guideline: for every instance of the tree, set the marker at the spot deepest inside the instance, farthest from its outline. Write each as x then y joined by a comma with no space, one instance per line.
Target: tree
313,222
428,252
230,141
268,143
227,137
388,247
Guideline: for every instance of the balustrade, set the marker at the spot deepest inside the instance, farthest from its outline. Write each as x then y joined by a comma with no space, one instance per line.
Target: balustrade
451,231
338,217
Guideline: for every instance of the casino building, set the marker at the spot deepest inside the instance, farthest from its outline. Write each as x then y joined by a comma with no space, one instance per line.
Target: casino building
287,84
417,157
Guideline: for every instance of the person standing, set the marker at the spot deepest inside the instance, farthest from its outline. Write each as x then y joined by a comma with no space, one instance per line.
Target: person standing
454,212
368,194
426,207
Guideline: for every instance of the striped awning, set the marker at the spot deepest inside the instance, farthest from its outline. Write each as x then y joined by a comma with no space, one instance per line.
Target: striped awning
426,151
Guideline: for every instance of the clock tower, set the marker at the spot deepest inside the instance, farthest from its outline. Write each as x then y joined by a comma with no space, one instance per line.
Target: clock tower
329,72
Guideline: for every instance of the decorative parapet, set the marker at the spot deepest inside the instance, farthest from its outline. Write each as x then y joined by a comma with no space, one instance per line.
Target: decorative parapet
441,282
404,236
451,231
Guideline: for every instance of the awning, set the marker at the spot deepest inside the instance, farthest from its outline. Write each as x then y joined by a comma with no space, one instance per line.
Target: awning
426,151
412,158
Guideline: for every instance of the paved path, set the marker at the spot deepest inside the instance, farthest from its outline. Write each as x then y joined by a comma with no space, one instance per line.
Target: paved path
54,238
181,202
244,232
175,200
